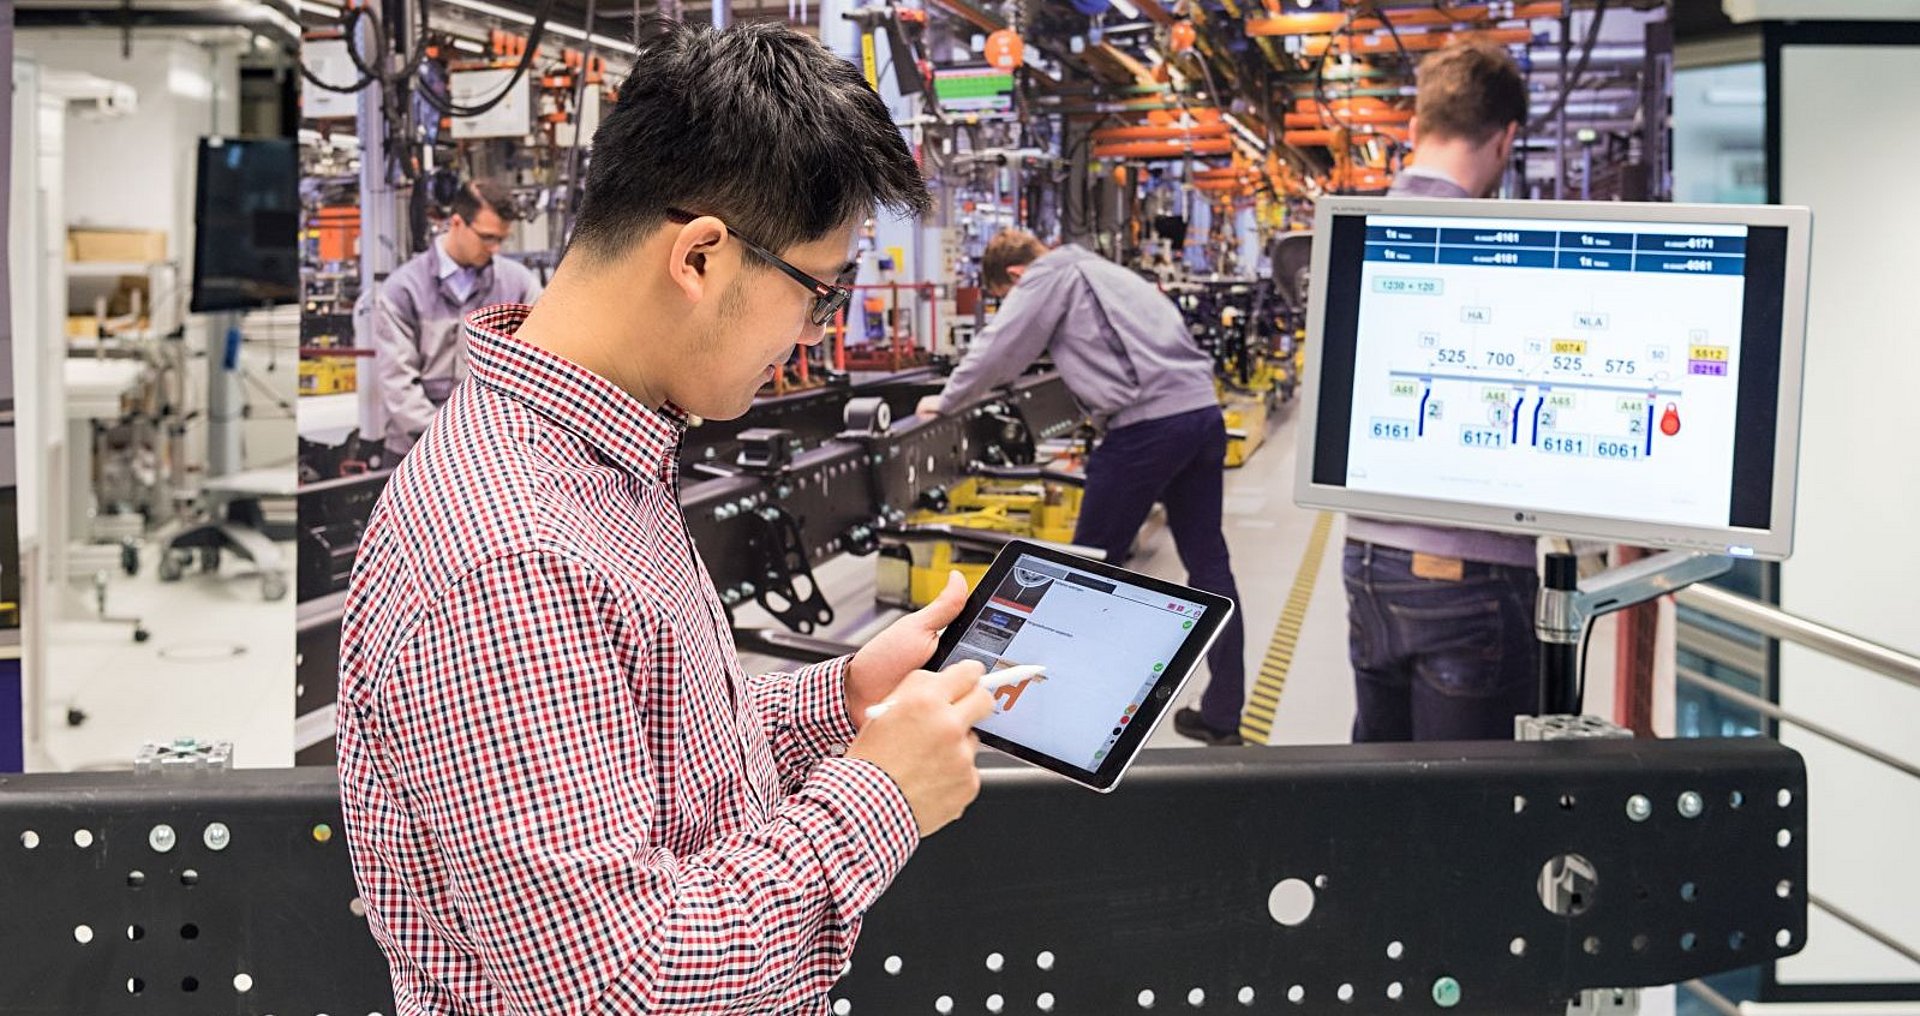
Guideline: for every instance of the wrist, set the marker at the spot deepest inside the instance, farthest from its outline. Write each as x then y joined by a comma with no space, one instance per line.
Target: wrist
856,703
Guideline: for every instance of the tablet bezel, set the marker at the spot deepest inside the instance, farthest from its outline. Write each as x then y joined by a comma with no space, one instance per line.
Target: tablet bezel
1216,610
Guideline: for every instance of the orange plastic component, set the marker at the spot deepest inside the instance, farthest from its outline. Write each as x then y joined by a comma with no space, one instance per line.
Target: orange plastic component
337,227
1005,50
1182,36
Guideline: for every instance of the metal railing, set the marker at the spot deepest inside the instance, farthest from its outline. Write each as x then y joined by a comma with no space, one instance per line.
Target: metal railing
1775,623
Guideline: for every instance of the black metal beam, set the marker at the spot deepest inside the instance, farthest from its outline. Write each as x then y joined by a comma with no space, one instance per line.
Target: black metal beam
1411,865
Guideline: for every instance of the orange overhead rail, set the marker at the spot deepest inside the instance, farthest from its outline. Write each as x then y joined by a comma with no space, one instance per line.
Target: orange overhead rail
1376,45
1150,133
1339,104
1162,149
1350,117
1416,17
1327,138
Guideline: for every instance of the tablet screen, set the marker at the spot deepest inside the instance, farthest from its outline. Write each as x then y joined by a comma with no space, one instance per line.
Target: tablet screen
1106,644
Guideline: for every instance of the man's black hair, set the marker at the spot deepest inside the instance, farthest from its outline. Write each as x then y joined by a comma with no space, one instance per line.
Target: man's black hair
757,124
468,200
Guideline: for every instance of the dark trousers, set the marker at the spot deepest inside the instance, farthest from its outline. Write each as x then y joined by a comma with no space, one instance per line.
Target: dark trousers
1439,660
1178,461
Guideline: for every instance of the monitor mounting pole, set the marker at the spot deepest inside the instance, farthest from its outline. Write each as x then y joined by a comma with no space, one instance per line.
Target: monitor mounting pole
1568,605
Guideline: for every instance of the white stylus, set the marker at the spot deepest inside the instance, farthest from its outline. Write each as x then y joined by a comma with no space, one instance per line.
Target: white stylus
991,681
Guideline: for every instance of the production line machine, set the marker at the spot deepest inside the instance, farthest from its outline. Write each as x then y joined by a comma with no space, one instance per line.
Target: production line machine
802,478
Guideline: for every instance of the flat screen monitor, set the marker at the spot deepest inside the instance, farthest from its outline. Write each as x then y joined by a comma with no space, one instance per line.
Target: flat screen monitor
1610,371
980,89
246,217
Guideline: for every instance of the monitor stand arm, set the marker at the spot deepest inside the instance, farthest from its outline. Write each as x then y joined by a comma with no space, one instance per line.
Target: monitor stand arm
1568,605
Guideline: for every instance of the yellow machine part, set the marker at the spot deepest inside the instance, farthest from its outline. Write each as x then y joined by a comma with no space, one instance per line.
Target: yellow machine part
327,375
1032,509
925,581
1246,415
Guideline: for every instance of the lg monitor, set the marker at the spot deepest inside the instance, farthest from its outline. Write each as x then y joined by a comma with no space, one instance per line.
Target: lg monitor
1617,372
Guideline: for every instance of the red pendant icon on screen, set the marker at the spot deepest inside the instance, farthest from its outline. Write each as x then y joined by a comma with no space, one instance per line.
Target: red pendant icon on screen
1670,423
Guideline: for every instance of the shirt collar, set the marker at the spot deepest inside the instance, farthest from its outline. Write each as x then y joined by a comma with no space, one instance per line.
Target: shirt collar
1431,174
448,266
642,441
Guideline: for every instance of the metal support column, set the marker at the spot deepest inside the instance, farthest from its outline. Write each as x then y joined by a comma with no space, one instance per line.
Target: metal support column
381,238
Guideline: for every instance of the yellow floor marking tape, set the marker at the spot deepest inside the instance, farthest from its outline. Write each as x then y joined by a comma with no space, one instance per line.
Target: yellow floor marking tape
1256,723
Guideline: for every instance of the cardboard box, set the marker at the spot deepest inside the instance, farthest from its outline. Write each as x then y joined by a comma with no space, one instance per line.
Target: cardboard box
126,246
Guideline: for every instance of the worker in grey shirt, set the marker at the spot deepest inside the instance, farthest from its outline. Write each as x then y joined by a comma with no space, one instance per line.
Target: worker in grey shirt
1124,351
1440,620
420,348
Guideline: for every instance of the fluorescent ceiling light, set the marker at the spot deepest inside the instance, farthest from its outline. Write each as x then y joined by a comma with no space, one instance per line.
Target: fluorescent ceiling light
469,46
1125,7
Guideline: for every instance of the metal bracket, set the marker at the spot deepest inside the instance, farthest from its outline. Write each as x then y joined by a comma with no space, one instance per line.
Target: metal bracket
1567,605
777,546
765,451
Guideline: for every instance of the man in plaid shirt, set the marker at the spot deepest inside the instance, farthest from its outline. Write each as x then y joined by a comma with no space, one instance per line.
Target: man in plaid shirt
562,794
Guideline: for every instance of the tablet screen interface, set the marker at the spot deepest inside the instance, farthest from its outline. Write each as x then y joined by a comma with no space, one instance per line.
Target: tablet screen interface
1105,644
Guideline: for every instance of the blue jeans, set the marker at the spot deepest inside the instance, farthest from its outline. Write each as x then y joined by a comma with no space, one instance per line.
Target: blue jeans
1435,660
1179,461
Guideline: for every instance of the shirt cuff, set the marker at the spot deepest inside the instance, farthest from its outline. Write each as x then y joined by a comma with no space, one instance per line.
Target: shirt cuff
860,821
820,724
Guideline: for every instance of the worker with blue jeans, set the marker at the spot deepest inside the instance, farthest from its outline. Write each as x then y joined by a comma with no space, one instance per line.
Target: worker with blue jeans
1440,619
1124,351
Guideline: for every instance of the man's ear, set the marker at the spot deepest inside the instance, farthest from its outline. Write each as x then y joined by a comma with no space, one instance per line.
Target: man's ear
690,257
1506,141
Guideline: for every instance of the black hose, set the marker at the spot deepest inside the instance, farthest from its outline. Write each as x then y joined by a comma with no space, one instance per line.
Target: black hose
1573,78
367,77
449,108
579,127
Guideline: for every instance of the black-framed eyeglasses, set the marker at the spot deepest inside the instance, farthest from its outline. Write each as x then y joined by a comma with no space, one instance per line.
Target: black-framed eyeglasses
486,239
828,299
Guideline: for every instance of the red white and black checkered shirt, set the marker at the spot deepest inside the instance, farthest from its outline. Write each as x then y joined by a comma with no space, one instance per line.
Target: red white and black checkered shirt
562,794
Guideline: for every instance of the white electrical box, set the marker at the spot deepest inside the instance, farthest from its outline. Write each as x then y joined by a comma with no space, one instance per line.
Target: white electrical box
589,119
327,60
512,118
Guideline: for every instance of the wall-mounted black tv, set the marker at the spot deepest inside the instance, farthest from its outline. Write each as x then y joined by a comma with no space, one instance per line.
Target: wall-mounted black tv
246,220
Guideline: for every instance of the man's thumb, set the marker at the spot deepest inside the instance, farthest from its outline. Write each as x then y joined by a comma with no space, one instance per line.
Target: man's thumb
945,607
